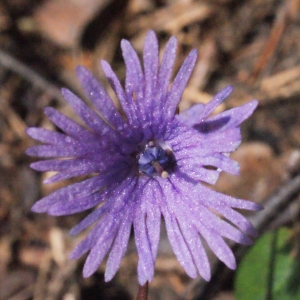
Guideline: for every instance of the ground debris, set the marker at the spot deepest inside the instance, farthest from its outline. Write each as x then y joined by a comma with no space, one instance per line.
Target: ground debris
253,45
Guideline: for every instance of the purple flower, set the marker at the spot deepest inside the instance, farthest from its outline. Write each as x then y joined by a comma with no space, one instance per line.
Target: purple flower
143,163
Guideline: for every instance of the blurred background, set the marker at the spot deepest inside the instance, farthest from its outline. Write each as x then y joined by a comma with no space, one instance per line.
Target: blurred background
251,44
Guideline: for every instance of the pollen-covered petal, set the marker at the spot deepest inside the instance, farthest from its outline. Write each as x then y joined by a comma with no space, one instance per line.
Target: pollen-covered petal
213,197
129,107
216,101
100,98
218,160
150,57
134,73
221,227
90,240
73,191
235,218
192,115
62,208
91,119
187,167
180,83
67,125
223,142
178,244
119,246
235,115
195,245
166,69
49,136
77,168
151,207
54,151
117,197
94,216
54,164
101,248
218,246
145,263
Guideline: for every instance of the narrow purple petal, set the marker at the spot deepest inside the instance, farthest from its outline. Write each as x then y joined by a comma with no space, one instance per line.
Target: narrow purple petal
180,83
134,74
219,161
216,101
54,151
235,218
70,192
128,107
197,250
78,168
192,115
90,118
101,248
62,208
116,200
91,218
223,142
118,249
235,115
150,56
48,136
179,244
100,98
53,164
195,172
213,197
66,124
222,228
151,207
145,263
90,240
166,69
218,246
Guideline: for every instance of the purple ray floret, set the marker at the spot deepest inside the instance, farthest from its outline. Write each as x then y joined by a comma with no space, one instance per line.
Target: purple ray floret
144,163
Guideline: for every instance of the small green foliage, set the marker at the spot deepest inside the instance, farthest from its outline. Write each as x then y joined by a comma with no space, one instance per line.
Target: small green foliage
269,271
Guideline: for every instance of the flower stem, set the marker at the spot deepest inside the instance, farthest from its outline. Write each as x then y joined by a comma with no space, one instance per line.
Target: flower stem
143,292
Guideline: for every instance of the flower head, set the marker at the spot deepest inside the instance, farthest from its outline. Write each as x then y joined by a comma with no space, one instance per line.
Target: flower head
145,163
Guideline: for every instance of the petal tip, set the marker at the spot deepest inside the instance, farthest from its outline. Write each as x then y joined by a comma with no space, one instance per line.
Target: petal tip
81,71
38,208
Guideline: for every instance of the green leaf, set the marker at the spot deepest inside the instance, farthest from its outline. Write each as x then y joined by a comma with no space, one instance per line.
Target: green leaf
269,271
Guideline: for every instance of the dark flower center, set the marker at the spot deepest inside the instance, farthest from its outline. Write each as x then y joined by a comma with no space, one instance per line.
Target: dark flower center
154,160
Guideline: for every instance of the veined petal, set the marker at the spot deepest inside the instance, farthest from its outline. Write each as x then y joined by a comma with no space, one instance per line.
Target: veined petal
73,191
129,107
49,136
218,246
166,69
119,246
134,74
145,263
67,125
178,244
90,118
180,83
235,116
150,56
100,98
101,248
216,101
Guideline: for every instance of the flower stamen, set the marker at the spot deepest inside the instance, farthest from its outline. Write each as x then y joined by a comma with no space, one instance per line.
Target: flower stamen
154,160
